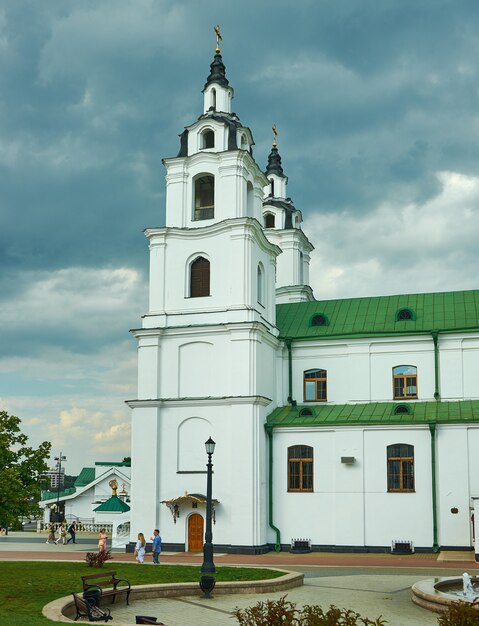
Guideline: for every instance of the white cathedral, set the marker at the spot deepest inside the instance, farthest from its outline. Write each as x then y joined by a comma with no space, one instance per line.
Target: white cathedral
351,423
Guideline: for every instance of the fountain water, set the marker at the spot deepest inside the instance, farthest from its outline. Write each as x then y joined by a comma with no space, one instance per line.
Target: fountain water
468,588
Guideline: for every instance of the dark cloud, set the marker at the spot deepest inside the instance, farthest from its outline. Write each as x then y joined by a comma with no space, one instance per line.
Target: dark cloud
376,105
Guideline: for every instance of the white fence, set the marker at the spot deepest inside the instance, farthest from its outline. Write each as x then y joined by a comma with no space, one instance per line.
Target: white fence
87,527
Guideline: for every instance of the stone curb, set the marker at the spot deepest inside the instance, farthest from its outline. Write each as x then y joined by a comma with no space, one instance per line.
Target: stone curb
63,609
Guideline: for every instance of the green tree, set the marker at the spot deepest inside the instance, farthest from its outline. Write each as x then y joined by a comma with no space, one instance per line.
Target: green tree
21,467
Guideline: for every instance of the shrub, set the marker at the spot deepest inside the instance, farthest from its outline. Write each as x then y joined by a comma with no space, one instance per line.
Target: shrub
98,558
460,614
268,613
313,615
283,612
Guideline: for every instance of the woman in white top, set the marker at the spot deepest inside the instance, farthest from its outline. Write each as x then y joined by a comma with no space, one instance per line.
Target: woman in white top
140,548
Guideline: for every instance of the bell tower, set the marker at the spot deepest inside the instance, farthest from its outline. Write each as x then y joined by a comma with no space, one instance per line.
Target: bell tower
282,223
208,343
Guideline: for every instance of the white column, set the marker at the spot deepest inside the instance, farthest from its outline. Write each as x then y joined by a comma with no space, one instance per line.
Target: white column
476,526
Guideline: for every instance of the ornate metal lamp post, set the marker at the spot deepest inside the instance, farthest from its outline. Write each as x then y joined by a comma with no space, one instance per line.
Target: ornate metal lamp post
59,460
207,581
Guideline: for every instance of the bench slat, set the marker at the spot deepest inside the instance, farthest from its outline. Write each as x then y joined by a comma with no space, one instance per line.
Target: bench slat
107,583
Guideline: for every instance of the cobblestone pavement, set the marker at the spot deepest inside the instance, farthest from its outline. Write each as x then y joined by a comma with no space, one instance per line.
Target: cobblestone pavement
374,584
371,595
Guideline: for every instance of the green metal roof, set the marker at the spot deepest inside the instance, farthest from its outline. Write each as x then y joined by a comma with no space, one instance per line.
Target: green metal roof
114,463
52,495
375,413
113,505
451,311
85,477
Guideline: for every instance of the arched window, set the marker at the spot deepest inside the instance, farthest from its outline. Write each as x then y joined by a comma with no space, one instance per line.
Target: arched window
207,139
305,413
260,284
315,385
271,182
301,269
401,409
204,198
300,468
244,145
269,220
404,315
400,462
213,98
200,278
319,320
404,382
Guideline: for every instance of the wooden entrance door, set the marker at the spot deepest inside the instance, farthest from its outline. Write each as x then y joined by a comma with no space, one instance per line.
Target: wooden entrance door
195,533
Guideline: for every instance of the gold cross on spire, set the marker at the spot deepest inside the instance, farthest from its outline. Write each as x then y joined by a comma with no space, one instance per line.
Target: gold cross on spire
218,38
275,134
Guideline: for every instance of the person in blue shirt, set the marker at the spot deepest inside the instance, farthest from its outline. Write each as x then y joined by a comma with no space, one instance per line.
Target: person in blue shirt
156,547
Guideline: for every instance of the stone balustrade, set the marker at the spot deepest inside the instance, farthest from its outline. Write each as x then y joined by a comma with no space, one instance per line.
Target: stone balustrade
86,527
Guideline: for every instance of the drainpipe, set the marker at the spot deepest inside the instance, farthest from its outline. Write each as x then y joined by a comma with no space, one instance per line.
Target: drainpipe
432,430
269,431
435,338
288,342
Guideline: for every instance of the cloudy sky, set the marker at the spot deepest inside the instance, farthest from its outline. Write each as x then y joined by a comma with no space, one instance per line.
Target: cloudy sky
377,106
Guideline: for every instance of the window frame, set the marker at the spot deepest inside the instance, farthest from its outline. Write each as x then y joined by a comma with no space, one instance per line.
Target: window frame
403,378
269,220
204,280
203,211
206,135
318,320
321,382
402,457
304,477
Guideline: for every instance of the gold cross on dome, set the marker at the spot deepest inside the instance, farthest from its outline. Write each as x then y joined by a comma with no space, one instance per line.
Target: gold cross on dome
218,38
275,134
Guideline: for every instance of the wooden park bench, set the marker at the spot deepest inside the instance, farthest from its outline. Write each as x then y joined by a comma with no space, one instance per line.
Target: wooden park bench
86,607
108,584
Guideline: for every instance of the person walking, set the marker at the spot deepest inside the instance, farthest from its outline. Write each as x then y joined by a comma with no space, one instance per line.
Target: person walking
156,547
72,532
51,535
140,548
62,536
102,537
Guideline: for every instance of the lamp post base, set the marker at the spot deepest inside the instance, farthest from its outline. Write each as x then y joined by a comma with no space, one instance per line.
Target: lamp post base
207,584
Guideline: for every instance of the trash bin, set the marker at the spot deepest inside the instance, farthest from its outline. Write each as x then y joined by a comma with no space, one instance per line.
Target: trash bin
92,596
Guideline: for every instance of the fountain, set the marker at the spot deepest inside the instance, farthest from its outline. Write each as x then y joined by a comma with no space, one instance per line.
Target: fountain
436,594
468,588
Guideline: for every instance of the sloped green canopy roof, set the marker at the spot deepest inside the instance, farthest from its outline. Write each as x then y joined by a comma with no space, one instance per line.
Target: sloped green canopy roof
85,477
52,495
374,413
452,311
113,505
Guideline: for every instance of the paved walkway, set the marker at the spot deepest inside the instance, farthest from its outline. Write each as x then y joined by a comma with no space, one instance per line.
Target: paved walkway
374,584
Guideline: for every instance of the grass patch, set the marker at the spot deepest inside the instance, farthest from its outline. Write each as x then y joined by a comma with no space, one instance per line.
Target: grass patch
25,587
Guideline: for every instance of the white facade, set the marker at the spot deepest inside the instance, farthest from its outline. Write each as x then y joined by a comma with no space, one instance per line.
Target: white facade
216,359
351,506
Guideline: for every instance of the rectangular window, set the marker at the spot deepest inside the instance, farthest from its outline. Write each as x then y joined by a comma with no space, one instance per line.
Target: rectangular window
400,467
309,391
300,468
315,385
404,382
204,198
